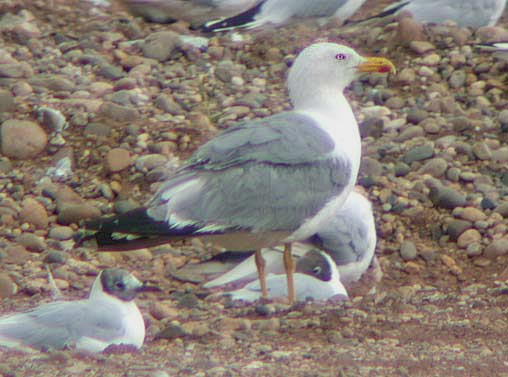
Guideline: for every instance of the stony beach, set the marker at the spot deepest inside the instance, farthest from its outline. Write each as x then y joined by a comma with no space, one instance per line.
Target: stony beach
97,107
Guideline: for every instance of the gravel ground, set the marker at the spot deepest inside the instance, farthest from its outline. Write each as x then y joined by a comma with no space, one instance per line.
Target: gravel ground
95,109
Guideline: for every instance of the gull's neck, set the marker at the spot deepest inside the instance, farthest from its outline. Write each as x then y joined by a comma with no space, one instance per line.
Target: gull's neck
323,99
334,115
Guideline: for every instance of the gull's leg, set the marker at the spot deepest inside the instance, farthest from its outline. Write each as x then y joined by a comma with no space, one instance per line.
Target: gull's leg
260,264
289,265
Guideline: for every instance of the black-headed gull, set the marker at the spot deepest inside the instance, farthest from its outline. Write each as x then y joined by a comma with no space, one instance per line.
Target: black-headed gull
109,316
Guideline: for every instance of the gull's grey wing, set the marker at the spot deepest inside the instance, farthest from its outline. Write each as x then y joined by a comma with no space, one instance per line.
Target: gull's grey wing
316,8
264,175
59,324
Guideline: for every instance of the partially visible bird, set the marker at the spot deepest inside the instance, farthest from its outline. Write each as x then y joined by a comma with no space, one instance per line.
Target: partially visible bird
316,277
465,13
280,12
349,238
193,11
498,49
267,181
109,316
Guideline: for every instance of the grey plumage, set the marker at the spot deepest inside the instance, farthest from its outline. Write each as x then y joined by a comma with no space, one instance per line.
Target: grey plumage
465,13
264,175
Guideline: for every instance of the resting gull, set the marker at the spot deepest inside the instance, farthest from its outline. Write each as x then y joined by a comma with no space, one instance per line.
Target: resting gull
316,277
465,13
264,182
109,316
280,12
349,238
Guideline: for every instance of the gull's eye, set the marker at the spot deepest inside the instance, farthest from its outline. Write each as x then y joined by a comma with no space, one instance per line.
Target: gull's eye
120,285
316,270
341,56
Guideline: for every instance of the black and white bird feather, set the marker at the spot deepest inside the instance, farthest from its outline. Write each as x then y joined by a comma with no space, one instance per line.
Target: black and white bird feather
281,12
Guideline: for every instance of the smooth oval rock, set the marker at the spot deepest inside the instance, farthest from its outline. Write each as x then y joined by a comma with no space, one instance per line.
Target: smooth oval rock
22,139
33,212
117,159
496,248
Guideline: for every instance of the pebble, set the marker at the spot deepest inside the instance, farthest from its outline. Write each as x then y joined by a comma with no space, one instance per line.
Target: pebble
160,45
149,162
410,133
7,287
436,167
33,212
51,118
421,47
22,139
15,254
468,237
446,197
118,113
61,233
496,248
54,256
371,127
6,101
408,251
456,228
117,159
471,214
73,213
474,250
32,242
54,82
168,104
172,331
421,152
161,310
457,79
482,151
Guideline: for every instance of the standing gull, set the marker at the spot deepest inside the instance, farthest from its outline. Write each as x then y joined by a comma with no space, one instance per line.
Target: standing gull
109,316
264,182
280,12
349,238
465,13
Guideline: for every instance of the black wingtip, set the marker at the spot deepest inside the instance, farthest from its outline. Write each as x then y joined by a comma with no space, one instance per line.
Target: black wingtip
240,20
134,230
385,13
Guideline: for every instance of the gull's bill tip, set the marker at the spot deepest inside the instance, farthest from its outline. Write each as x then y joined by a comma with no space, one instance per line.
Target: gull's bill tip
148,286
377,64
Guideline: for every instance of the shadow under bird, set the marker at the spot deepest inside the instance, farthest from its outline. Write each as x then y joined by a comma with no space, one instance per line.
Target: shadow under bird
281,12
465,13
264,182
109,316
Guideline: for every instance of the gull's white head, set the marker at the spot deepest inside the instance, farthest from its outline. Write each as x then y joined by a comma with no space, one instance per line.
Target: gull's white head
323,69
